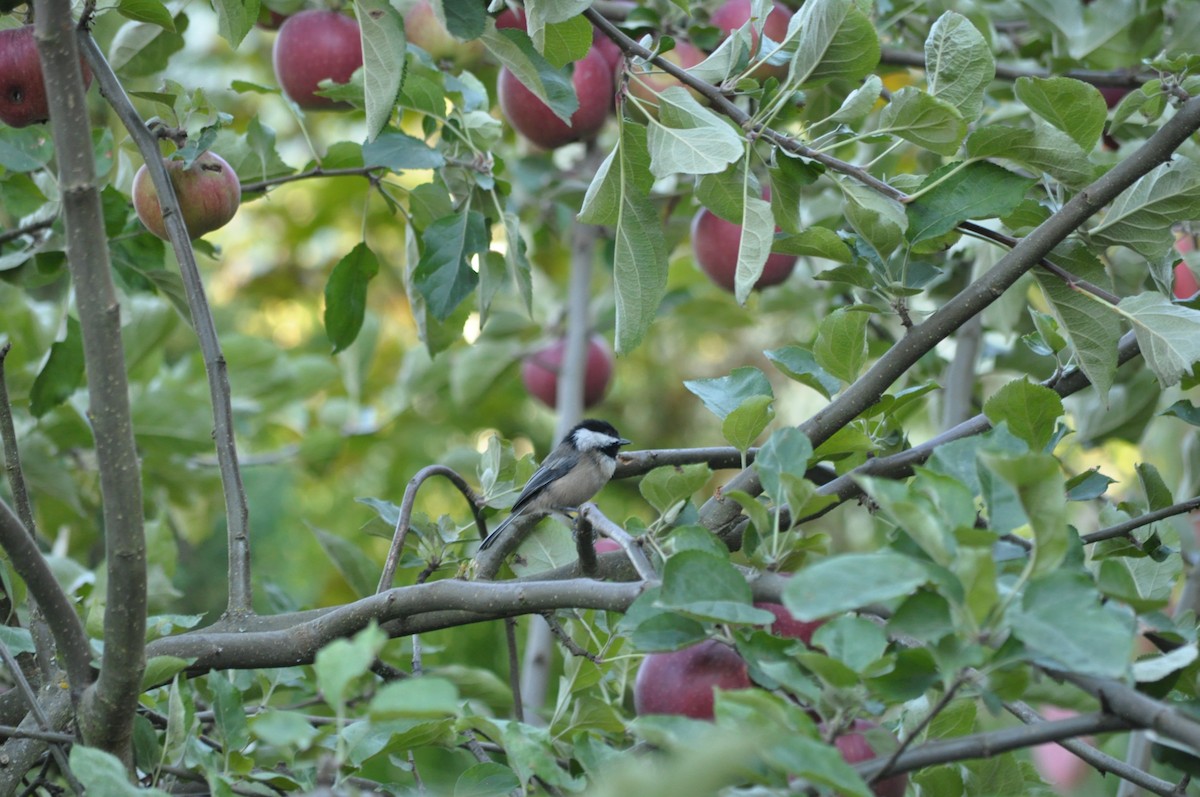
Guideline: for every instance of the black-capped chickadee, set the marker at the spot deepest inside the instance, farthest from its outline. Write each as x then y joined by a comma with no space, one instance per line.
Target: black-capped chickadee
572,473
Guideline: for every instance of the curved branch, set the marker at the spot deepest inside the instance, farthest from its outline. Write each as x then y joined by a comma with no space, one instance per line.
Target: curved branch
68,630
237,514
406,510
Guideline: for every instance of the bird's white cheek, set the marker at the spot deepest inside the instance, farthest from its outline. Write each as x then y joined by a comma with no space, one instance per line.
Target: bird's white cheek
608,467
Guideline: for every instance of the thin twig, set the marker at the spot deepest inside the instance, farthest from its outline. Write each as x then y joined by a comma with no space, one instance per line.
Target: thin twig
28,229
993,743
237,512
514,668
406,509
560,633
628,544
1120,78
1125,528
912,734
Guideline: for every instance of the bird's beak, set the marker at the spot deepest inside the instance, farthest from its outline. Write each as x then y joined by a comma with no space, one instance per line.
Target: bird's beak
622,441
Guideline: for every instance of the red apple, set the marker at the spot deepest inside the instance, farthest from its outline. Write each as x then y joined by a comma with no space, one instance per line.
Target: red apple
605,545
313,46
735,13
648,85
1058,766
681,682
854,747
209,194
532,118
22,89
539,371
715,246
1185,281
789,627
511,18
1112,95
425,30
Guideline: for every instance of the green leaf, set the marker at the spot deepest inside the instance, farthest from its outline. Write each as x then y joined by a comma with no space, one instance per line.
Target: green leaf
1088,639
288,730
1185,411
799,364
914,508
465,21
817,763
228,712
841,345
1142,217
722,395
1030,411
708,587
231,16
814,242
835,40
1092,334
487,779
397,151
444,275
1042,149
161,669
513,49
689,138
1087,486
743,426
346,296
849,581
425,697
1158,494
854,641
786,452
62,374
619,196
666,486
383,47
1038,483
16,640
754,246
562,42
1167,333
1074,107
924,120
343,661
1144,584
235,18
789,176
976,190
1159,667
349,559
958,64
103,775
859,102
880,220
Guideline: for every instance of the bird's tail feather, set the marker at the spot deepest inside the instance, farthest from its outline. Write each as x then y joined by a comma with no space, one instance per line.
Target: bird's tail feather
495,535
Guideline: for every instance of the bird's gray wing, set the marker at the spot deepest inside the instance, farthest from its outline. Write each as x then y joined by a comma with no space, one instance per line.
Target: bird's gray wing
543,476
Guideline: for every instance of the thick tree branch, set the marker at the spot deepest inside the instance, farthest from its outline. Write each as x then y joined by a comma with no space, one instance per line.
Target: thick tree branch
237,514
1138,709
295,639
21,753
107,711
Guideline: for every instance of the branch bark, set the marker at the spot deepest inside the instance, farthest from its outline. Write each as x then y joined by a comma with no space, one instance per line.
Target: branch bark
108,706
